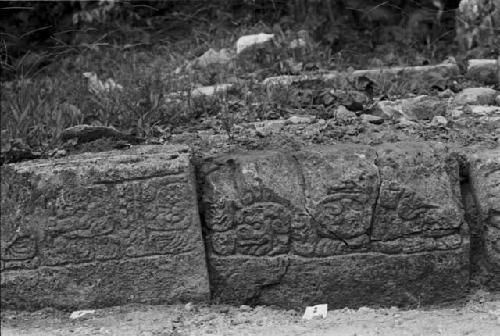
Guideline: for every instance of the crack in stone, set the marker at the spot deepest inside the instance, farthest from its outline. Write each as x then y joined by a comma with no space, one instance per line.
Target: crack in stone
255,298
136,178
374,206
302,185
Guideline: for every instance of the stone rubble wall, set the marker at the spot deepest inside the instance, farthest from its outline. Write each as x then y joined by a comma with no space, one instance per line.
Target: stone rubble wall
347,225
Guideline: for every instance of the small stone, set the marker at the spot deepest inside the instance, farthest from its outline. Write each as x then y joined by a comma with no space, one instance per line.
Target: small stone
457,113
387,109
497,100
439,121
212,56
81,313
301,120
210,90
364,310
372,119
484,110
343,114
476,96
248,41
245,308
189,307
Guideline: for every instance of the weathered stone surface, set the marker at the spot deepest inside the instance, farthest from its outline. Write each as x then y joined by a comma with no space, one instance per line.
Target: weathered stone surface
476,96
484,70
102,228
423,107
346,225
423,72
484,172
251,41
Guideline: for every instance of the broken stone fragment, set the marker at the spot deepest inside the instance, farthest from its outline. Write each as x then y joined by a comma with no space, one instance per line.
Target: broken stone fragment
372,119
301,119
388,109
210,90
342,114
476,96
211,56
251,41
439,121
423,107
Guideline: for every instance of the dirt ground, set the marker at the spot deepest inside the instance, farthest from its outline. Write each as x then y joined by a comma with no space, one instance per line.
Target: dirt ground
479,315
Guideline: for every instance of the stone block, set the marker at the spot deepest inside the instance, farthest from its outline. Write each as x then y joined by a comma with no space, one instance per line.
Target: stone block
347,225
101,229
484,173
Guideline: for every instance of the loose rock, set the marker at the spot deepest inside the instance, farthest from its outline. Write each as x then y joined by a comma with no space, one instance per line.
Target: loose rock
372,119
212,56
476,96
249,41
423,107
301,119
439,121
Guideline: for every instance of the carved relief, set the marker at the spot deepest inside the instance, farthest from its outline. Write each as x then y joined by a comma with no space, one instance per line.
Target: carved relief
220,215
223,243
20,247
262,228
303,235
342,216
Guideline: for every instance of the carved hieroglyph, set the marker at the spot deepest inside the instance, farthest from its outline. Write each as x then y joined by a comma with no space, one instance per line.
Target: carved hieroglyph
484,174
346,224
102,228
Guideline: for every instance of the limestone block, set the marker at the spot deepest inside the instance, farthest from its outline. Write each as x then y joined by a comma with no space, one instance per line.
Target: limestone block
100,229
347,225
424,73
484,173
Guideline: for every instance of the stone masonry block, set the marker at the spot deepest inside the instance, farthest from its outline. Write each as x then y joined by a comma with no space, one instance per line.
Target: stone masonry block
100,229
347,225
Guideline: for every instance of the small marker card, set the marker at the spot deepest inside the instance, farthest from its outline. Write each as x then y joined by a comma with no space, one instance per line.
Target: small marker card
315,312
